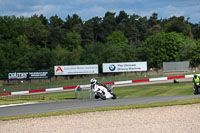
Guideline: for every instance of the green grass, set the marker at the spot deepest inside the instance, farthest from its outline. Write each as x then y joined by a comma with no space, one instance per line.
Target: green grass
169,89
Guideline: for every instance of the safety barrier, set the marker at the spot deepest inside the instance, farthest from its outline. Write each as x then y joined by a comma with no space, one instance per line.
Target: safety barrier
113,83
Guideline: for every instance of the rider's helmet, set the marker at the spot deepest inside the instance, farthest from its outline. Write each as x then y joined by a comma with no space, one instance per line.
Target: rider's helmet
195,75
93,81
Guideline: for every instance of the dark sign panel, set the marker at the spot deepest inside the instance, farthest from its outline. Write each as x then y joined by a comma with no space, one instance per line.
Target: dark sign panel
29,75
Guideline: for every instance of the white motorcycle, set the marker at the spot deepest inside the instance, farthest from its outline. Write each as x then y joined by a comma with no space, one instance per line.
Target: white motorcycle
102,91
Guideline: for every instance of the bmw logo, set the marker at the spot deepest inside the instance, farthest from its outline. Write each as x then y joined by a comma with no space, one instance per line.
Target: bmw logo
112,67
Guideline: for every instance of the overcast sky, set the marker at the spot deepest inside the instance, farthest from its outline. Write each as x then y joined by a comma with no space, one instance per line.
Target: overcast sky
87,9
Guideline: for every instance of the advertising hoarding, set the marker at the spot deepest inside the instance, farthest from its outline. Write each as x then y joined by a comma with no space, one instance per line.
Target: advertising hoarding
76,69
29,75
124,67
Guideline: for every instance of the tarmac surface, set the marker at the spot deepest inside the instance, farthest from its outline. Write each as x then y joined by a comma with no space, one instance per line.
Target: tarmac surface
36,108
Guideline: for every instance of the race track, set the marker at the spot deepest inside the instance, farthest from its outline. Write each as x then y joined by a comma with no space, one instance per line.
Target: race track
82,104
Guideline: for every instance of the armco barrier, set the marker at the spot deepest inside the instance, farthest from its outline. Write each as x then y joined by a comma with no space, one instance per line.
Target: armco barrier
109,83
71,87
123,82
5,94
54,89
157,79
140,80
34,91
113,83
176,77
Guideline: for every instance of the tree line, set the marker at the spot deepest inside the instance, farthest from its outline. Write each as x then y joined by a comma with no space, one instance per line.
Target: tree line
38,43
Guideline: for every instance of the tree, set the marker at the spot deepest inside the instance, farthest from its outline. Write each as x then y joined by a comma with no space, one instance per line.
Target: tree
91,31
143,27
36,32
9,27
108,25
55,21
153,20
122,18
72,40
190,51
73,23
60,56
163,47
196,30
22,40
179,25
43,19
5,59
73,44
41,58
76,55
154,24
94,53
114,53
131,30
116,43
195,59
87,33
56,32
117,38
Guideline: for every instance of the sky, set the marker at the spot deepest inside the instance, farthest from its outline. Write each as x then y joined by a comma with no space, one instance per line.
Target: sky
87,9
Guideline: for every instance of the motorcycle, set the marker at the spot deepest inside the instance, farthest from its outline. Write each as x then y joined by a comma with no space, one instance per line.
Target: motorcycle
103,92
197,90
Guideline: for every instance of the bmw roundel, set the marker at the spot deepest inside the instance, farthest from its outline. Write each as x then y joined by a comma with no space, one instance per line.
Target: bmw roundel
112,67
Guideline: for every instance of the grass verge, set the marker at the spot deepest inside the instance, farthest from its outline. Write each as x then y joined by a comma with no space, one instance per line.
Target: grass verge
169,89
125,107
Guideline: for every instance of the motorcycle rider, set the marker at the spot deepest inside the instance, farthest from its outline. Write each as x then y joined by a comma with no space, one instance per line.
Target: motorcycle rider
95,85
196,80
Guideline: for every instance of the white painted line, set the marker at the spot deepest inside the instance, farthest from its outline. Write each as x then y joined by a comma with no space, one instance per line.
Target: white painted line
158,79
123,82
11,105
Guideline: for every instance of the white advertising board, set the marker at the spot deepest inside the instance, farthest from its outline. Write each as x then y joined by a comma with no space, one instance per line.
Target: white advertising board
76,69
124,67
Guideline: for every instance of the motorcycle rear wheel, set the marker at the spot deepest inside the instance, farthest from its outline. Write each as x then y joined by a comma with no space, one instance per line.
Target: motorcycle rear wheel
198,90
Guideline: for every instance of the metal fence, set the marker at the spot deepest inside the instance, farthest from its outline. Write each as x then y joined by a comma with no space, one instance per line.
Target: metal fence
182,66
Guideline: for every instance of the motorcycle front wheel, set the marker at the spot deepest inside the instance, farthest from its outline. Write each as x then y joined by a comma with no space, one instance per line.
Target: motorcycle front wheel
101,96
114,96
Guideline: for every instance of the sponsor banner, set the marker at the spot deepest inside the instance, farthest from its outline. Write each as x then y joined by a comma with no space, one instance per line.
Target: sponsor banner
124,67
76,69
29,75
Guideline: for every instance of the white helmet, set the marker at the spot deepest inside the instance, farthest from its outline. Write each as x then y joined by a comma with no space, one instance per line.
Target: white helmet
93,81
